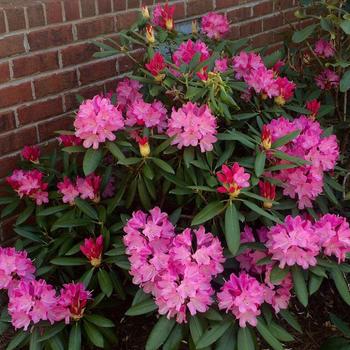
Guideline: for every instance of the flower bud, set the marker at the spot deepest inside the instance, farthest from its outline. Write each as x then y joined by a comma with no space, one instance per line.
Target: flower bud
144,147
266,141
150,34
145,12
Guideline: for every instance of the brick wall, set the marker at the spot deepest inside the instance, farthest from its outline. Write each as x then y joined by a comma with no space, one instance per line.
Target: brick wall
46,56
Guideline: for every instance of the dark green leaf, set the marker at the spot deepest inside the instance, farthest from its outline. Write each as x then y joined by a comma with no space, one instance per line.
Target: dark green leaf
213,334
159,333
211,210
340,283
301,35
232,229
92,159
245,339
163,165
86,208
285,139
74,342
105,282
94,334
300,285
278,274
68,261
266,334
259,165
99,321
141,308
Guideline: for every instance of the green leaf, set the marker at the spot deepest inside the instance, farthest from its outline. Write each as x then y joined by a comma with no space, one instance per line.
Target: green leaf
213,315
291,320
64,222
68,261
207,213
86,277
10,208
163,165
34,343
26,213
345,25
52,210
174,340
314,283
115,150
74,342
105,282
266,334
56,343
17,340
340,324
94,334
143,194
278,274
86,208
196,328
280,333
300,285
285,139
99,321
92,159
141,308
340,283
301,35
245,339
52,331
260,211
213,334
227,341
285,156
159,333
336,343
259,164
345,81
232,229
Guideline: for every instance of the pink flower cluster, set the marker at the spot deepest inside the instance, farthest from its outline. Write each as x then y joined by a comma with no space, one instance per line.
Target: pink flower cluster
215,25
69,140
327,80
176,271
324,48
192,125
299,241
128,91
263,81
305,182
96,121
31,153
187,50
29,183
85,188
14,266
163,16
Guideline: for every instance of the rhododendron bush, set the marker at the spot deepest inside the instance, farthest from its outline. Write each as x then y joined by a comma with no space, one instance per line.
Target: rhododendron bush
202,191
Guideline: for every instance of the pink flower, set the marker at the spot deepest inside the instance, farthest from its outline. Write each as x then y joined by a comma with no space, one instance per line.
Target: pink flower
164,16
334,233
221,65
294,242
29,183
89,187
245,63
69,140
277,66
14,266
128,91
74,298
242,295
31,153
34,301
68,189
286,90
147,114
263,81
156,65
313,106
187,50
233,179
324,48
192,125
96,122
92,249
327,80
215,25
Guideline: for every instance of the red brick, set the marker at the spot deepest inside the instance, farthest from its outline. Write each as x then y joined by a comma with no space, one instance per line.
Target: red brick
104,6
15,18
179,11
250,28
16,140
262,40
7,121
11,45
133,4
97,71
35,64
198,7
239,14
93,28
55,83
263,8
71,9
47,129
36,15
272,22
126,64
2,22
221,4
125,20
88,8
49,37
53,12
78,53
283,4
7,164
71,101
15,94
234,33
4,72
119,5
39,111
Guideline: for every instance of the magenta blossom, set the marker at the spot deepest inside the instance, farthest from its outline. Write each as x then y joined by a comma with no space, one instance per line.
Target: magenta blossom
245,63
69,140
92,249
242,295
68,189
324,48
221,65
128,91
192,125
327,80
31,153
89,187
215,25
187,50
96,122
